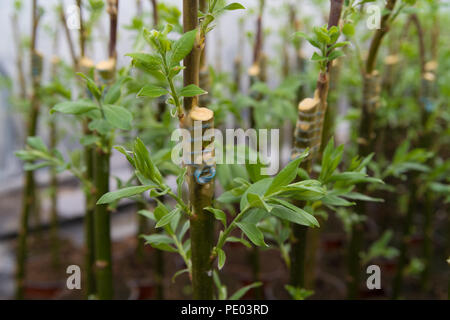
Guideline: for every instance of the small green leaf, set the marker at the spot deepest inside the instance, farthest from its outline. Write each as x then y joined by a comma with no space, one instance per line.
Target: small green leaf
234,6
241,292
218,214
122,193
37,143
152,91
182,47
118,117
92,87
240,240
335,54
149,62
255,201
191,91
253,233
286,176
293,214
221,258
74,107
348,30
166,219
160,241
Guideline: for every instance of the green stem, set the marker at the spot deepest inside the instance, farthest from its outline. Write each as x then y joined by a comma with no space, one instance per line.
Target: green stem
29,194
89,242
54,200
103,259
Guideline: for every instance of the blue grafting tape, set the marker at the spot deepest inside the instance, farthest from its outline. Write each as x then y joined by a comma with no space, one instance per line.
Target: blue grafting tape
205,174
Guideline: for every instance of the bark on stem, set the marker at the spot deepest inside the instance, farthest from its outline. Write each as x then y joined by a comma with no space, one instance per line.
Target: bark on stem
29,193
200,192
312,128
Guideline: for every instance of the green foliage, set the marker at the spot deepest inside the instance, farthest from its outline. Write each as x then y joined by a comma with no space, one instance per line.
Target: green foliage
326,40
380,249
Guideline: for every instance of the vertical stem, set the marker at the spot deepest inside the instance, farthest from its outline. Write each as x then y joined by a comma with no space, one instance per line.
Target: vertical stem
371,90
19,57
308,134
89,241
200,193
62,16
113,7
82,33
155,13
192,60
102,225
29,197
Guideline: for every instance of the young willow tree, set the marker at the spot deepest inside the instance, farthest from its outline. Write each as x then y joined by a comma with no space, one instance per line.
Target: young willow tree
311,112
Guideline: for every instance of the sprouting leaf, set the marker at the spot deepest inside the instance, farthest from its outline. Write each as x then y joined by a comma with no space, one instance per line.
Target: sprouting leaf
218,214
92,87
240,240
74,107
149,62
182,47
221,258
289,212
144,163
335,54
178,273
123,193
252,232
37,143
118,116
255,201
348,30
234,6
160,241
152,91
191,91
286,176
167,218
241,292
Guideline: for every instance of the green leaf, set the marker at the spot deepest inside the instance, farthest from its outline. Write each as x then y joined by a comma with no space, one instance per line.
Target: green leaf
289,212
255,201
240,240
218,214
122,193
191,91
144,163
348,30
335,54
92,87
221,258
286,176
37,143
74,107
241,292
152,91
253,233
178,273
113,93
118,117
182,47
234,6
147,61
160,241
167,218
